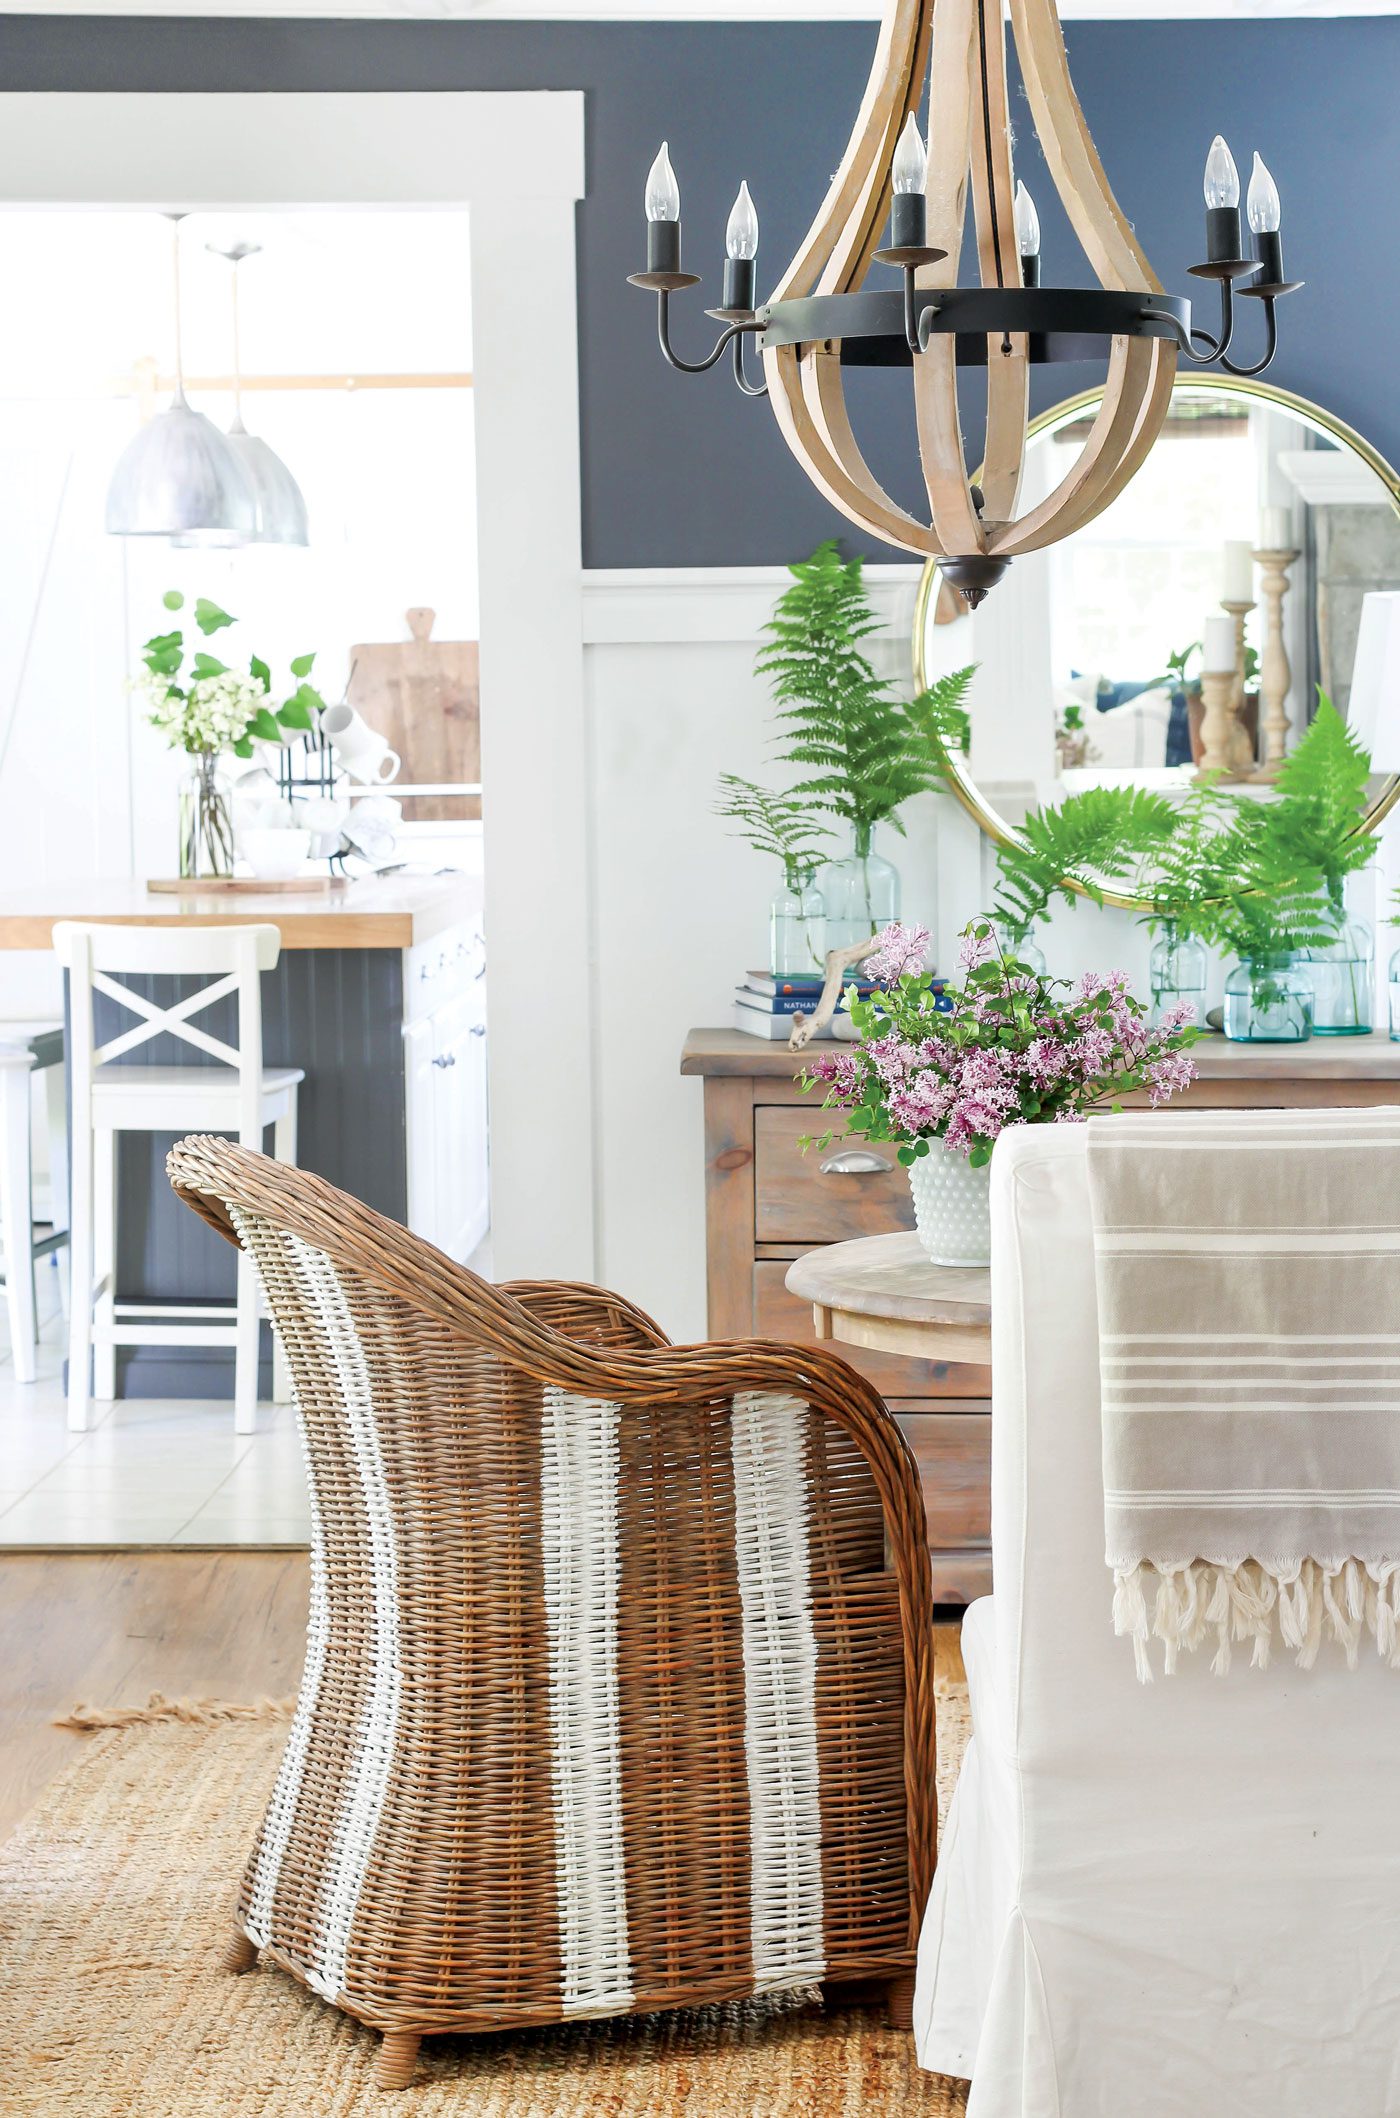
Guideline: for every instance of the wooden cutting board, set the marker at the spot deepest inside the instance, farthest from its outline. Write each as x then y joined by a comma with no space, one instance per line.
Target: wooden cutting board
424,697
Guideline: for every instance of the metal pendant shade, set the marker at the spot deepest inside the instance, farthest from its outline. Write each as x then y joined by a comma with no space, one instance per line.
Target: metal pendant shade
180,477
279,509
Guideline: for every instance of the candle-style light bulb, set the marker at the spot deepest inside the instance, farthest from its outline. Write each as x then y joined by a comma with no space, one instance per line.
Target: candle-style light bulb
1222,177
741,236
1027,222
910,165
1265,211
663,192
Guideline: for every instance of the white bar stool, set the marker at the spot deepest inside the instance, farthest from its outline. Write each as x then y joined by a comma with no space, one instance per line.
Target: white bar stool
239,1095
26,1048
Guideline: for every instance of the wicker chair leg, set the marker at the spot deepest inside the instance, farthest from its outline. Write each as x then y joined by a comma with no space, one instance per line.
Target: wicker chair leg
240,1955
398,2055
899,2002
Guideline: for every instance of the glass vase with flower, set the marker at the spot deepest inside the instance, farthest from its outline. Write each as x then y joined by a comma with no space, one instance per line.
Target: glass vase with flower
215,710
944,1075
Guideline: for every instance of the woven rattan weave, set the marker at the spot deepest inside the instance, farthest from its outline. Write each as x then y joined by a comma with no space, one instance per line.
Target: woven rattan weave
619,1679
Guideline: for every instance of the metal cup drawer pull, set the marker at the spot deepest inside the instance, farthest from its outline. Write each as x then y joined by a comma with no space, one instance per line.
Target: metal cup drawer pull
856,1162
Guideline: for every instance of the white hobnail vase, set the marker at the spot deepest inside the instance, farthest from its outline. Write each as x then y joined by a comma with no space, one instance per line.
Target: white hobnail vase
952,1207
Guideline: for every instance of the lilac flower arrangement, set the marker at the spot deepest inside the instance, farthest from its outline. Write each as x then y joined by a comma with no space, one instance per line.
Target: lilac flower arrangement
1006,1047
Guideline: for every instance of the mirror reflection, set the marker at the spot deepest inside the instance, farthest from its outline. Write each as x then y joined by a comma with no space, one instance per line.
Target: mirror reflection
1187,629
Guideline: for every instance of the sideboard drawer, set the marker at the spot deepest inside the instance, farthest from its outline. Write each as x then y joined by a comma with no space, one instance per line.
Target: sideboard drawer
800,1198
954,1454
780,1315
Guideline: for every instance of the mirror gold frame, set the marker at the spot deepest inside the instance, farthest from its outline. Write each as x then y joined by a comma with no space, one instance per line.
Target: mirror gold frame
956,768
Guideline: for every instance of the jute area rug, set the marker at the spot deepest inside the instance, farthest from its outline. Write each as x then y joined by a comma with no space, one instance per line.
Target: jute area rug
115,1900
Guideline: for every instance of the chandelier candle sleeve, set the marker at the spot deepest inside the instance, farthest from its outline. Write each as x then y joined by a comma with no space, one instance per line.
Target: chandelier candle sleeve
663,215
741,248
908,175
1224,239
1265,219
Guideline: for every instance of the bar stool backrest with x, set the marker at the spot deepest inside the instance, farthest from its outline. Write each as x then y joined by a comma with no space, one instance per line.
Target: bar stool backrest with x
225,1088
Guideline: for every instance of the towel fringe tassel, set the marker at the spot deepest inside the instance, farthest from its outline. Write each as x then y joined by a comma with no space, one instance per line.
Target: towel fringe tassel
1184,1606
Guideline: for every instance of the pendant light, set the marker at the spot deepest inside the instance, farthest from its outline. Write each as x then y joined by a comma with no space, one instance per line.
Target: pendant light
825,322
277,498
179,477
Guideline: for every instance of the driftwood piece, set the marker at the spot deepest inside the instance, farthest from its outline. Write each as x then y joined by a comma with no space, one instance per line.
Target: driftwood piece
805,1027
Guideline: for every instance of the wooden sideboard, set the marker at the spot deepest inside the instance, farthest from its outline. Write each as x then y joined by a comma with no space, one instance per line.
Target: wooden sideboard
766,1203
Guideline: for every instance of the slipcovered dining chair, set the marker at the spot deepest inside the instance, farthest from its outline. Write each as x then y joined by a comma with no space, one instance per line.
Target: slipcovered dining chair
619,1678
1153,1900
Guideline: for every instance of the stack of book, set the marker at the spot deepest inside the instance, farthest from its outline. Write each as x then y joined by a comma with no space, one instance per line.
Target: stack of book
765,1004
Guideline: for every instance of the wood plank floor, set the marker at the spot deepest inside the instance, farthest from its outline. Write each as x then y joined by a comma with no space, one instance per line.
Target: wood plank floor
109,1628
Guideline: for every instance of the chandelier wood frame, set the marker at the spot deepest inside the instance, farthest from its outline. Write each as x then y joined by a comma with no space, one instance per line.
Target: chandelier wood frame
822,320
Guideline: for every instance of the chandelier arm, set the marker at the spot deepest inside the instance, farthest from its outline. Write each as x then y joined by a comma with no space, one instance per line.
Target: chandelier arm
993,198
750,389
1215,348
1103,229
1076,497
842,238
731,334
1270,347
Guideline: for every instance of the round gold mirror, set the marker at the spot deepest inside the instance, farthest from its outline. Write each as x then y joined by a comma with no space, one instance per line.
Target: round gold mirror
1259,520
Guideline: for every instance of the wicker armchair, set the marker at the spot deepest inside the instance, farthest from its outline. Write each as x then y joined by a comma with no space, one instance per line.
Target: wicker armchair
619,1675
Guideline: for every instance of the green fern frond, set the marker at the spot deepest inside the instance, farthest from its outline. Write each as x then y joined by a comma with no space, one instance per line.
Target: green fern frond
774,824
940,715
1322,786
843,722
1089,839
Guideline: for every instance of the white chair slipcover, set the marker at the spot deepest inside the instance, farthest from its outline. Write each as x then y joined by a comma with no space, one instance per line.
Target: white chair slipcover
1152,1901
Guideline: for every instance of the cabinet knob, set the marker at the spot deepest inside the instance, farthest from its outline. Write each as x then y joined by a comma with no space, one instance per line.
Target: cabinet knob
445,1059
856,1162
478,1029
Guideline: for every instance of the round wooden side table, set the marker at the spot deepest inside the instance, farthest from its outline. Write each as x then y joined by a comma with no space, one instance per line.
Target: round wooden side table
884,1292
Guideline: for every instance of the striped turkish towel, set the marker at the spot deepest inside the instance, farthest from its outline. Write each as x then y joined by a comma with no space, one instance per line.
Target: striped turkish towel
1248,1267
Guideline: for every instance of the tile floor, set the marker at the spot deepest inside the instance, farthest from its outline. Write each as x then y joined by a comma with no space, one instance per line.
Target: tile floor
148,1471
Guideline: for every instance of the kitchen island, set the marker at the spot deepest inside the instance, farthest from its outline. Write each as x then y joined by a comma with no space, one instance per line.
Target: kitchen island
380,996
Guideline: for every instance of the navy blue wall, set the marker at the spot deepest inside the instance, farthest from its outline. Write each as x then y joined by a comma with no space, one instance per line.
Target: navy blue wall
679,471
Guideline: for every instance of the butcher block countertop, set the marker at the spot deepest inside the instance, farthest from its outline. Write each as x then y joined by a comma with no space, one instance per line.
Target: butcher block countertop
375,912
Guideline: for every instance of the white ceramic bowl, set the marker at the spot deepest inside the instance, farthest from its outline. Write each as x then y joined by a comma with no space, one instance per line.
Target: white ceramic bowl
275,856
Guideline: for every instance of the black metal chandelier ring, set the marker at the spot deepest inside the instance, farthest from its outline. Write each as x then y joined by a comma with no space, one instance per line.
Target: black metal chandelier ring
1058,323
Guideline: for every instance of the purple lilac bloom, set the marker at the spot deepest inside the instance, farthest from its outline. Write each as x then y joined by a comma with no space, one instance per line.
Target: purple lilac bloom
902,951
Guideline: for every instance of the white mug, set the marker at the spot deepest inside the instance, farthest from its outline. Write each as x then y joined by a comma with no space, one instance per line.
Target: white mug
361,750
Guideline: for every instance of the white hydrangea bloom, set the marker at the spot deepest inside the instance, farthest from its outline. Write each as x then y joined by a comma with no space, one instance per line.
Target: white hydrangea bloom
213,715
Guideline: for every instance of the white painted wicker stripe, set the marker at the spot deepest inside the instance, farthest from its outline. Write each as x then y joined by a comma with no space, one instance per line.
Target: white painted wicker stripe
286,1793
769,1444
376,1729
579,1531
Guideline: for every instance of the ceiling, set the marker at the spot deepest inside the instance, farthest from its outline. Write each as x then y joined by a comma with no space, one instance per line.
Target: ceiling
690,10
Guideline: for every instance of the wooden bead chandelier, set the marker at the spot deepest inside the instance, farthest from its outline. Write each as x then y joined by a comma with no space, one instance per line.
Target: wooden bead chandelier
822,318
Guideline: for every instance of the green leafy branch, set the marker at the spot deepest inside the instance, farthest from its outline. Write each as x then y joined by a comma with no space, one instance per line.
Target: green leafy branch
164,657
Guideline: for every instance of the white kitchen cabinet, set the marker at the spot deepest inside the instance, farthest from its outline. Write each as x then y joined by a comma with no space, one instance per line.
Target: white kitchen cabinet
445,1091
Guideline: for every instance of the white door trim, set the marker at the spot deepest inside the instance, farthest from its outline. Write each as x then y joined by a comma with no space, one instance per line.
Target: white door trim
516,162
